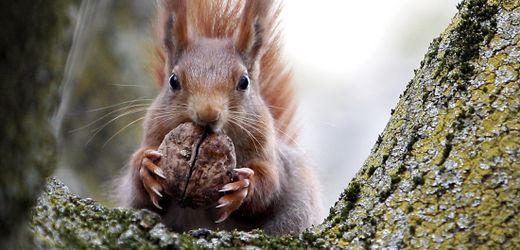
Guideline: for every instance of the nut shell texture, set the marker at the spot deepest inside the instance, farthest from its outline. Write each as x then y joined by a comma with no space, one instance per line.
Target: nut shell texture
196,163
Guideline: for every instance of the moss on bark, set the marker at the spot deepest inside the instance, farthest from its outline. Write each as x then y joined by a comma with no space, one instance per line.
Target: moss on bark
445,172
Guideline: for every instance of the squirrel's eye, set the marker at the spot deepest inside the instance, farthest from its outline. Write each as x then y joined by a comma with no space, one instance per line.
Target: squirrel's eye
243,83
174,82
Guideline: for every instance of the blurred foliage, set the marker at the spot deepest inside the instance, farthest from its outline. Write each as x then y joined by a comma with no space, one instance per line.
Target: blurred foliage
113,72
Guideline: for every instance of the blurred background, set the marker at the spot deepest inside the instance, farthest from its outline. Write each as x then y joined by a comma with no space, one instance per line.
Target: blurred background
351,61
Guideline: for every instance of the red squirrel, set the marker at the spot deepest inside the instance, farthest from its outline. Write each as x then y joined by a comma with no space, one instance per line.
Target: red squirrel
220,67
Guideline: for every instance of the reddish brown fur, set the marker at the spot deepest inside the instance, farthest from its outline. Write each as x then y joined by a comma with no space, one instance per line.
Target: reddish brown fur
220,19
263,183
203,49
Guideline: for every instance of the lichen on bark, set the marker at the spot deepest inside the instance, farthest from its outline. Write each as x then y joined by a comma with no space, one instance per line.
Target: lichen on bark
444,173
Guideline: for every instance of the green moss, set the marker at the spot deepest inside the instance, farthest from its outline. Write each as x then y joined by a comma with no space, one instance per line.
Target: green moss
352,192
371,170
418,180
477,25
432,51
84,224
348,198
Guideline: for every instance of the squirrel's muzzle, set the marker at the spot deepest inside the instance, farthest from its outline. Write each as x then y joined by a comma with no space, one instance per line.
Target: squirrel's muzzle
207,113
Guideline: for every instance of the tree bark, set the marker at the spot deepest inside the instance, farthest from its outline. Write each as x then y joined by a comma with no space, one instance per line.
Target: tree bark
444,173
31,61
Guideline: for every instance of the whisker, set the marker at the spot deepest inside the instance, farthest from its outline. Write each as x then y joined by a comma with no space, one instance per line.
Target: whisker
162,111
243,113
171,113
251,120
255,128
250,135
106,115
168,117
119,104
98,129
124,114
129,85
291,139
136,110
269,106
121,130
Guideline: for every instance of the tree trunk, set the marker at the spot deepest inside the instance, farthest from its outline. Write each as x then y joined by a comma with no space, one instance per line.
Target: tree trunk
31,61
444,173
446,170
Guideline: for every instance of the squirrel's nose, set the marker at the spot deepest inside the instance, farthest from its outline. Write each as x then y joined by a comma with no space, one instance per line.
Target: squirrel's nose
207,116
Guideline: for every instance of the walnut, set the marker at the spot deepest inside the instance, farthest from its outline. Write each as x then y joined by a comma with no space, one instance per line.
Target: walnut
196,163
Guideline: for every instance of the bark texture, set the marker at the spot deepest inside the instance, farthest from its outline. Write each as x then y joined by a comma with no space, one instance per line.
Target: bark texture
446,170
444,173
31,62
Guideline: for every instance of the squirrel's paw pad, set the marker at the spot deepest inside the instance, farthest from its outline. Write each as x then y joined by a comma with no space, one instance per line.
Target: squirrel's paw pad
242,173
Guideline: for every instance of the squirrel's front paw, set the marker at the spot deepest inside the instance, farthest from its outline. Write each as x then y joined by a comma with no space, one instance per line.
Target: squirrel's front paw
150,174
235,193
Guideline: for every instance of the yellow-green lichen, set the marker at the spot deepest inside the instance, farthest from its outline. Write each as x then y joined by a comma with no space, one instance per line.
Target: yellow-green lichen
431,165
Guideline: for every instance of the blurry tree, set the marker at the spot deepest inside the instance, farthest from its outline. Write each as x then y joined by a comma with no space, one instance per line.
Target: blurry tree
33,45
95,141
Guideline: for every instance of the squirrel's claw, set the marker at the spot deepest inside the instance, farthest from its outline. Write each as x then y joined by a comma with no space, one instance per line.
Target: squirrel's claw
234,186
155,202
153,168
239,190
147,171
222,217
229,203
153,188
152,154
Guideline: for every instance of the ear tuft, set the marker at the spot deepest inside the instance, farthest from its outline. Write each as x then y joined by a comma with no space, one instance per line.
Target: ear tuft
175,32
251,33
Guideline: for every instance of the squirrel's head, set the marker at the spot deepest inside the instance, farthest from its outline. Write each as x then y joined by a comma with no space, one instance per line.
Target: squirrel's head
213,81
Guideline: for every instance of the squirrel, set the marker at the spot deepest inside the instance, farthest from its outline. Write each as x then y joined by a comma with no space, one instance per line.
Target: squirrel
220,67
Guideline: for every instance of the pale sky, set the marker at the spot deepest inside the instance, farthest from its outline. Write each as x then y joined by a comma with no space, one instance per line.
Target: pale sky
351,61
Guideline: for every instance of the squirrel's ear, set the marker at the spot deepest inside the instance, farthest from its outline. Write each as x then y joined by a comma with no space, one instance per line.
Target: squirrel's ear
174,32
251,33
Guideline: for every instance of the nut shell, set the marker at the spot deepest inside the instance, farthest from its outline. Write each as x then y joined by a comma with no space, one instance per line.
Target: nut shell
196,163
